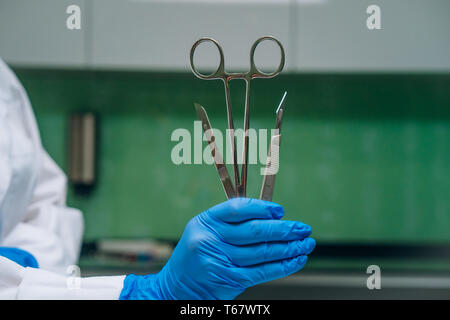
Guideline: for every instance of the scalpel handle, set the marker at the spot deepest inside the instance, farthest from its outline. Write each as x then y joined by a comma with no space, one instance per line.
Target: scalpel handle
220,165
217,156
271,169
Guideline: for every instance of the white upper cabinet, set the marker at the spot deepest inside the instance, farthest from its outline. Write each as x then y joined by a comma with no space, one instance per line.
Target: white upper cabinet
317,35
158,35
35,33
332,35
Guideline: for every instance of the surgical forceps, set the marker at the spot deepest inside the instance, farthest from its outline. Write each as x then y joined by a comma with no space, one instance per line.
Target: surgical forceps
221,74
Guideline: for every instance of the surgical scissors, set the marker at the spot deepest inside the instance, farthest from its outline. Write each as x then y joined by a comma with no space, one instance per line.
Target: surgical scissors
221,74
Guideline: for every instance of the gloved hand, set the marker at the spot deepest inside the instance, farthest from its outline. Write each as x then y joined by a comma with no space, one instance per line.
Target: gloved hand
19,256
226,249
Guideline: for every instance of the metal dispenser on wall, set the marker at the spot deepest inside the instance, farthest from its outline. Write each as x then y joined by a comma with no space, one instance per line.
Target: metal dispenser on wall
82,155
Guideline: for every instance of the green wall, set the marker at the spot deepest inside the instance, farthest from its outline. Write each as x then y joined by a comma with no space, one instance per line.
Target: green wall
364,157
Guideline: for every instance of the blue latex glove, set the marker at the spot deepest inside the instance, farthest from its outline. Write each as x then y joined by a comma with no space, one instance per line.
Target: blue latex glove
226,249
19,256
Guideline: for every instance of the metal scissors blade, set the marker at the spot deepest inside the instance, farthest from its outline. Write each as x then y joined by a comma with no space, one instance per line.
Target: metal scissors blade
217,156
273,156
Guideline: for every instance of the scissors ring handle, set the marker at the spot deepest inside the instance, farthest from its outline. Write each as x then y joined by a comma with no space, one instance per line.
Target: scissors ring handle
254,71
219,73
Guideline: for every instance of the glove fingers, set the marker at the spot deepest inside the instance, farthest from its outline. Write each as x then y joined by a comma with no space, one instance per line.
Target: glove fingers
272,270
242,209
259,231
267,252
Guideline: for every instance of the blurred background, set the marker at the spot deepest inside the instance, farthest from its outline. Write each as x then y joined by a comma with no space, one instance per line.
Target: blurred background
365,158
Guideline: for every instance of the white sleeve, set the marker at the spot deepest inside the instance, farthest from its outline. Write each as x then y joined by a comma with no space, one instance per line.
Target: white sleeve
17,282
50,230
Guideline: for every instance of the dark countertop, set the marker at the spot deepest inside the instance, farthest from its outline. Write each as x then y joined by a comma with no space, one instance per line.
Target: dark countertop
315,283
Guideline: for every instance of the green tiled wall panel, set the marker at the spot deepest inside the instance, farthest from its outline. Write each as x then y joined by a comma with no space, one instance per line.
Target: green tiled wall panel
363,157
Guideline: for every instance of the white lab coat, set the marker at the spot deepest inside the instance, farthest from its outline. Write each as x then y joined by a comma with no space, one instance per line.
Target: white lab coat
33,214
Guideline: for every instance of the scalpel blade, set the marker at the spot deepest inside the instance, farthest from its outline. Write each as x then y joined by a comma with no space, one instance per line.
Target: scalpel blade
273,156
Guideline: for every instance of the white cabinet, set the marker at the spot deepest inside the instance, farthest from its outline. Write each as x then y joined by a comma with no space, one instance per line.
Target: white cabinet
332,35
158,35
318,35
34,33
